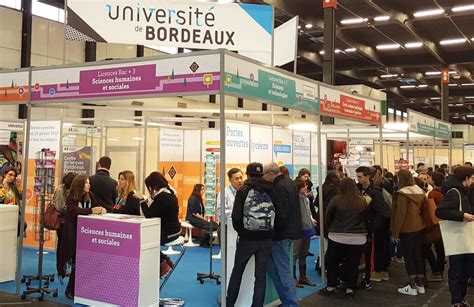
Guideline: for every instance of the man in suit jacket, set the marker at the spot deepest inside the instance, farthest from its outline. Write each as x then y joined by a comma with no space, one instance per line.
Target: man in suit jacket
103,187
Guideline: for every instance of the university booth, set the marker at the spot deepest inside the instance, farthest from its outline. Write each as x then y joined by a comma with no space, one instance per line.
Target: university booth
179,133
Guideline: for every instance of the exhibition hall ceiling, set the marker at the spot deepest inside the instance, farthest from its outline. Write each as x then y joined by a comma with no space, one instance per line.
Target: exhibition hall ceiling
398,46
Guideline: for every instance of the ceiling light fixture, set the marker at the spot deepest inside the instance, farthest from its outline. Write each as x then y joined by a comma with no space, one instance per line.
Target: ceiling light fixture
428,13
382,18
389,76
387,46
321,52
308,26
337,51
452,72
407,86
432,73
299,27
463,8
435,98
458,104
350,50
453,41
353,21
413,45
452,84
469,97
467,84
423,86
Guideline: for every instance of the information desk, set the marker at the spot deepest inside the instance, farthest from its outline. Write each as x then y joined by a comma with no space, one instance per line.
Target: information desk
117,260
8,239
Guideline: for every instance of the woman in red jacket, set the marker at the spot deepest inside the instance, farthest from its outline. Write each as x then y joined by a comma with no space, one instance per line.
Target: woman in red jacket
80,201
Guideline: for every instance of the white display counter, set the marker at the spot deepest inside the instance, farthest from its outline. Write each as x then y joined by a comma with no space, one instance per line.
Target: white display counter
8,239
117,260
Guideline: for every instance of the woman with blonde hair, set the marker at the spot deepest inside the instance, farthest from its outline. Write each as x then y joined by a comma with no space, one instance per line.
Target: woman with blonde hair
125,202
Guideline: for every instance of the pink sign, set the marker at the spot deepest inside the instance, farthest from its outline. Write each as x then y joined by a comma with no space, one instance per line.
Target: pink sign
108,261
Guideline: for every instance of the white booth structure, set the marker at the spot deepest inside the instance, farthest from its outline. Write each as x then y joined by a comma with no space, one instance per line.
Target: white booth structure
117,260
8,237
170,89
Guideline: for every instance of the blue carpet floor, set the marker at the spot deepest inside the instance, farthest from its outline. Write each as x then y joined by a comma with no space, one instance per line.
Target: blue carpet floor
182,284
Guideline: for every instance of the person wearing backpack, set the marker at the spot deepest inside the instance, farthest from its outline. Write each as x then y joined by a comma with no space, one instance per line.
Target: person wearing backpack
461,266
407,225
253,217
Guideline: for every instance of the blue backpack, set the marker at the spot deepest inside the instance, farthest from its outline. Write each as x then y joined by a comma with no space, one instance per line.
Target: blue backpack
259,211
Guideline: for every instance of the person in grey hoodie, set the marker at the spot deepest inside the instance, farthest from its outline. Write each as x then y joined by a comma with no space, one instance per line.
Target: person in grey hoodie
407,225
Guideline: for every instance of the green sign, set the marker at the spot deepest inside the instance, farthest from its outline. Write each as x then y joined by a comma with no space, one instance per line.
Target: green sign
274,88
425,129
443,130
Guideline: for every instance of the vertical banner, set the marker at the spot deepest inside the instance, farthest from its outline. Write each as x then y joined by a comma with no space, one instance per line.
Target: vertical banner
191,164
301,151
282,148
315,147
171,161
79,160
261,144
43,135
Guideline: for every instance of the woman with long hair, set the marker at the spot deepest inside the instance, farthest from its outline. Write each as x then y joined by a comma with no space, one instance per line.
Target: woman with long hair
407,225
80,201
195,214
346,219
162,203
125,202
59,202
10,187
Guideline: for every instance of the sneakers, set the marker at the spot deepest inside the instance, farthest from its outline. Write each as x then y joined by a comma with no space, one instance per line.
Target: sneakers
165,268
376,276
399,260
466,303
365,285
408,290
463,304
420,289
435,277
384,276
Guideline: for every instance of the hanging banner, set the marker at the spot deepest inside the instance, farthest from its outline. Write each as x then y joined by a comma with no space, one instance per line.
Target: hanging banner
14,86
260,83
340,104
78,160
261,144
443,129
197,25
180,75
420,123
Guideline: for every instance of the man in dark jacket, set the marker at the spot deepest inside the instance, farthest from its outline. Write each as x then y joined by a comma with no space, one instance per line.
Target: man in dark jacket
461,267
379,227
288,227
103,187
251,243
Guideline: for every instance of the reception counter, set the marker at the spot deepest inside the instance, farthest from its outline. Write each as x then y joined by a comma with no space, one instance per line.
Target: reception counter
117,260
8,239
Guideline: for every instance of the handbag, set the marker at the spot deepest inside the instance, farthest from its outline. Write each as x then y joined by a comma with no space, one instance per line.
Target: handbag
458,237
52,218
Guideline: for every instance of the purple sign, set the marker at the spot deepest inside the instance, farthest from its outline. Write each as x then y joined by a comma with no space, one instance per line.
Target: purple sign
108,261
120,79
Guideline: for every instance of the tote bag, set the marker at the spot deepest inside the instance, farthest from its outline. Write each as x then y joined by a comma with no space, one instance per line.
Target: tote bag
458,237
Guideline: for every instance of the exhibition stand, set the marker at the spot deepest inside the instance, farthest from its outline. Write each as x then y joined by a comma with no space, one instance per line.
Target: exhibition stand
8,237
163,88
116,260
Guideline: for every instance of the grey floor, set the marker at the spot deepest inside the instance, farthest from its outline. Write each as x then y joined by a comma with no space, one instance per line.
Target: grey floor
385,294
7,299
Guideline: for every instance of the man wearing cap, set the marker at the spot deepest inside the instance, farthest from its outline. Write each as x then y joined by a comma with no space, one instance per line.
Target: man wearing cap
252,241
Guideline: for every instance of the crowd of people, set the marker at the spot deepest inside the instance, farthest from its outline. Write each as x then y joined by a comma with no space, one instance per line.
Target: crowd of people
377,214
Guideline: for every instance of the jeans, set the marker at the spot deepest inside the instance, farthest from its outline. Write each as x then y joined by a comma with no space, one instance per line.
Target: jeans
461,267
349,256
436,263
411,249
382,249
262,250
280,272
368,257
